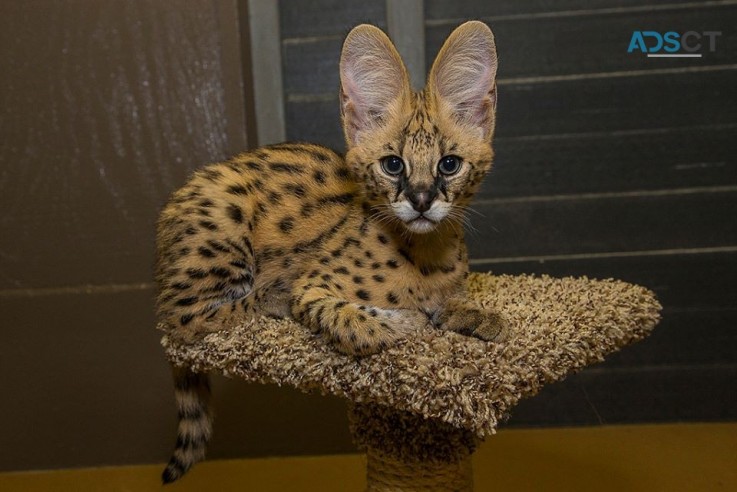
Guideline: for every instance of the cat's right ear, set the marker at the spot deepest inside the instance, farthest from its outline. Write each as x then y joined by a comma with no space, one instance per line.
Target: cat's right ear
374,84
463,78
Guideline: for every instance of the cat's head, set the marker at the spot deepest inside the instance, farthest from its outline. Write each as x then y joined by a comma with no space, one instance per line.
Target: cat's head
421,156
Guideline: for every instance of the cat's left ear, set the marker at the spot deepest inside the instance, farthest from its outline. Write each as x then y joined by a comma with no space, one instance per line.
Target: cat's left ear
463,77
374,82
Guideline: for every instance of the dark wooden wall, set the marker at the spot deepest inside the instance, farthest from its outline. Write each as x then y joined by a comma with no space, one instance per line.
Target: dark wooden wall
105,109
608,164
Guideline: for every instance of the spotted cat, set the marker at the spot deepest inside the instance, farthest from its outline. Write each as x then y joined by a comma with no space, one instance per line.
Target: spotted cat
360,249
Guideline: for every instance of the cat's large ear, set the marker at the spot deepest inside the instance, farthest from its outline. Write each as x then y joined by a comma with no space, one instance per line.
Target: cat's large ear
463,77
374,82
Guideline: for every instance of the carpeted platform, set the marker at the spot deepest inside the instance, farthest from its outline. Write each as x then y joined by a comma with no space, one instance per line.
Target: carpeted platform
558,326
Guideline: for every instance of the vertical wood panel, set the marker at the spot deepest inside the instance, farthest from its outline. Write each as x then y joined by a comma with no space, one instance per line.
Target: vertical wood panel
267,70
405,21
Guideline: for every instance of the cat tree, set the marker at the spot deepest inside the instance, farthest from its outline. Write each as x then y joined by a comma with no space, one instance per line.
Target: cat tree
420,407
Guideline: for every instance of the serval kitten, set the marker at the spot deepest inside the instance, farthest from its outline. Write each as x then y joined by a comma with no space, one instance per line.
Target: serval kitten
361,249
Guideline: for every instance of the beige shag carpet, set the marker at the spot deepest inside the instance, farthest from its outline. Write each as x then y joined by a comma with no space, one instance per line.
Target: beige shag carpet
558,326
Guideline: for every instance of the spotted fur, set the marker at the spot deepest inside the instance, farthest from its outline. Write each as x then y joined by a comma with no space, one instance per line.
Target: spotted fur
356,254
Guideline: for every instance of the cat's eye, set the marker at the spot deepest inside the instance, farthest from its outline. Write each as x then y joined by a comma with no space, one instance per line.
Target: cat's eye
449,164
392,165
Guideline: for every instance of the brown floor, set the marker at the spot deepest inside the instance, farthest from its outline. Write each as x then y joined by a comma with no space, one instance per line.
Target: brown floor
673,458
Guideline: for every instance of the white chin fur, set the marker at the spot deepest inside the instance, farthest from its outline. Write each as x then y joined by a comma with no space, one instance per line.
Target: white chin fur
420,225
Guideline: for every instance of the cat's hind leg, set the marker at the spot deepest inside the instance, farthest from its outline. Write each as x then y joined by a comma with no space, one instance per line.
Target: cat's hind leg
205,268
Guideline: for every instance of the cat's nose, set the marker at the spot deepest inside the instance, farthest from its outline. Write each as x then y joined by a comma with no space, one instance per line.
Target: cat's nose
422,200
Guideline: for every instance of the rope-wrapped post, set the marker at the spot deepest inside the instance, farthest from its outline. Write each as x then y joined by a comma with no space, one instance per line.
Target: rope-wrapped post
407,452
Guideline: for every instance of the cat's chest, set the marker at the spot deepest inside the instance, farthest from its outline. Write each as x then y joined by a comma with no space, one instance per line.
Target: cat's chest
372,267
429,287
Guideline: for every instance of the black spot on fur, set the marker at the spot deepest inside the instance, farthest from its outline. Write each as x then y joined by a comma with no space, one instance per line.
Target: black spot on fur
351,241
235,213
307,209
217,246
319,155
286,224
237,190
392,298
378,278
281,167
319,177
247,243
382,239
296,190
363,295
238,264
343,173
210,226
339,199
186,301
205,253
220,272
274,197
392,264
211,174
406,256
196,273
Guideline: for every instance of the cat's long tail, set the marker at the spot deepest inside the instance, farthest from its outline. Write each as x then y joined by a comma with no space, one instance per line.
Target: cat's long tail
192,394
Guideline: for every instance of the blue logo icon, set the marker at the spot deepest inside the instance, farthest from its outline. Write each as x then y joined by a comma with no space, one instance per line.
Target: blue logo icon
690,44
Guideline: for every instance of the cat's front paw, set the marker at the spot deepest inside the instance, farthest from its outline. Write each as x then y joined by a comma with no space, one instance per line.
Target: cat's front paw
486,325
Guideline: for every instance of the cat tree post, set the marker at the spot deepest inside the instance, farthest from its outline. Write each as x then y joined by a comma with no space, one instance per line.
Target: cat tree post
419,407
408,452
